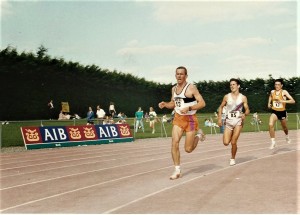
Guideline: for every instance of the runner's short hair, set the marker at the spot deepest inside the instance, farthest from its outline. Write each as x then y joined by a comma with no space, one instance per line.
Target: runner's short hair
278,80
236,80
182,67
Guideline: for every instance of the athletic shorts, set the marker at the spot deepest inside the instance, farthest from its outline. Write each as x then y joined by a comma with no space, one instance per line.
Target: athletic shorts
280,114
231,123
186,122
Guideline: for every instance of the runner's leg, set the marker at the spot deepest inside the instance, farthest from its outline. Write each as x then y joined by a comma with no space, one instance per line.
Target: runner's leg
235,136
176,136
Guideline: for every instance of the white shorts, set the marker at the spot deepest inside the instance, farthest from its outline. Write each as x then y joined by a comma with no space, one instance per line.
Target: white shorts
231,123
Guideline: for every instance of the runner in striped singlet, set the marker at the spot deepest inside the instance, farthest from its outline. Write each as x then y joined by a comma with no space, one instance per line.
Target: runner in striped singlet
234,103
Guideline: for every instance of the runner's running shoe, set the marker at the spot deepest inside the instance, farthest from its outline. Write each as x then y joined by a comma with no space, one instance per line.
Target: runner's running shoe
176,174
201,135
273,145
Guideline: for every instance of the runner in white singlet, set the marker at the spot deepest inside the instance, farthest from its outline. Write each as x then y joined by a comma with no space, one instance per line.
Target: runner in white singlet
186,100
234,103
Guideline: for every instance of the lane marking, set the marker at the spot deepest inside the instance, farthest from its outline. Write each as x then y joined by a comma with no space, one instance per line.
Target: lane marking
185,182
137,174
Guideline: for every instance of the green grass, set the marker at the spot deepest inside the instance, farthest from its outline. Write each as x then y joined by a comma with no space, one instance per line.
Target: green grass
11,133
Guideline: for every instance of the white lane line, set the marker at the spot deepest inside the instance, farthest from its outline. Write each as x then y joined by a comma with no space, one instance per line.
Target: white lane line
185,182
106,168
117,166
126,177
75,159
77,165
73,153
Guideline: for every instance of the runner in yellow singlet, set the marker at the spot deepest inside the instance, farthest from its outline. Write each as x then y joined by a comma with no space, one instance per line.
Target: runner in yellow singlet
277,100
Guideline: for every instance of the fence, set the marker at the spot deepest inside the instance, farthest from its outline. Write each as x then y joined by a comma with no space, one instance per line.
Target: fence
10,133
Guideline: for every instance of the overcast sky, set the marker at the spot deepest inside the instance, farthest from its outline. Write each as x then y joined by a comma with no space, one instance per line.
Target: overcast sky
215,40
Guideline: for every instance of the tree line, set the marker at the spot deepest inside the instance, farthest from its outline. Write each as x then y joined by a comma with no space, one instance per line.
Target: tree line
30,80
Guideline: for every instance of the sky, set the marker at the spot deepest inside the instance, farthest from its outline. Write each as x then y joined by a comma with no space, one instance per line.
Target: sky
214,40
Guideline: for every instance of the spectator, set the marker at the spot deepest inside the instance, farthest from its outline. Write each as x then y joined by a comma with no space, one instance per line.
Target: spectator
139,114
210,123
112,109
51,109
76,116
146,117
255,119
152,118
90,116
100,112
61,116
165,118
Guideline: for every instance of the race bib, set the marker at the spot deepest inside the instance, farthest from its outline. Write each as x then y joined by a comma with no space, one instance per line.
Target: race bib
179,102
233,114
277,104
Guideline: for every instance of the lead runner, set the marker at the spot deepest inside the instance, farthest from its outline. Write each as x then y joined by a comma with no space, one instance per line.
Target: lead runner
186,100
234,102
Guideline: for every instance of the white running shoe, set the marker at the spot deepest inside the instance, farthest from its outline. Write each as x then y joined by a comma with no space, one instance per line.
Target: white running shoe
201,135
273,145
288,140
232,162
176,174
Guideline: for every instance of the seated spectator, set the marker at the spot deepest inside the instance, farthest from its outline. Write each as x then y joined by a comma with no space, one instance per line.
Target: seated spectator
256,119
108,121
63,116
170,120
210,123
76,116
165,118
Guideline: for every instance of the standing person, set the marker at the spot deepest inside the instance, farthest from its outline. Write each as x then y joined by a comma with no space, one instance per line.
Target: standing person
51,109
112,109
186,100
152,118
100,113
277,100
90,116
234,103
139,114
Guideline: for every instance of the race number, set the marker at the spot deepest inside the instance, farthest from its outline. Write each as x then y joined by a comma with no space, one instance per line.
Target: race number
277,104
179,102
233,114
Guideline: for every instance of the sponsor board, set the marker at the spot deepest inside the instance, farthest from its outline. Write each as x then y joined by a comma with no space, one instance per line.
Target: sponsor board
64,136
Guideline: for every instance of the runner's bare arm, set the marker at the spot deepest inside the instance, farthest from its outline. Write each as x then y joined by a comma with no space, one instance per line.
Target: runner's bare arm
223,103
200,101
290,98
170,104
246,107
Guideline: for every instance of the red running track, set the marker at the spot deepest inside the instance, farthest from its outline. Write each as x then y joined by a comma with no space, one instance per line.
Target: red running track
134,178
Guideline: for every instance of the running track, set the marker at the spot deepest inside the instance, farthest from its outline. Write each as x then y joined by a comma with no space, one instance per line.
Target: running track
134,178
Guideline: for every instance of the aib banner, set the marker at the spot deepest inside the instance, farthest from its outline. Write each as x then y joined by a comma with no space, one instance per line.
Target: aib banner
63,136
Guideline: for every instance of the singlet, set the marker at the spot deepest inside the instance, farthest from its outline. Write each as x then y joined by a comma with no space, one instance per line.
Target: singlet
234,107
276,104
181,101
